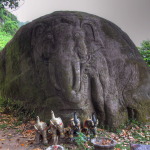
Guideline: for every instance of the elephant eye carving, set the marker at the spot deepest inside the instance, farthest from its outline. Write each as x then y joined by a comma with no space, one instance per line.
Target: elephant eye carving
77,35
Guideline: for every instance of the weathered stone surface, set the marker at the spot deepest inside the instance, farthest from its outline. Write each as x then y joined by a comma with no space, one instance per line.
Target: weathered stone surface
74,61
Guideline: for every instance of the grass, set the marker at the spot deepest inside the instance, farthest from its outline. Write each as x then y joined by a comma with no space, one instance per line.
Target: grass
3,126
121,147
82,142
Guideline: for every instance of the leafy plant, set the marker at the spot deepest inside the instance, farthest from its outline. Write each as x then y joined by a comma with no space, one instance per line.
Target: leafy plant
145,51
121,147
81,141
3,126
10,27
4,38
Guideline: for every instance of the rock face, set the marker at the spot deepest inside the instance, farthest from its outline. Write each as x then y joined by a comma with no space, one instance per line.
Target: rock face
74,61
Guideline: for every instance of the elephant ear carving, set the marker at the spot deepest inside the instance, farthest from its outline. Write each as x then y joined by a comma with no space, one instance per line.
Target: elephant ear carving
38,30
92,32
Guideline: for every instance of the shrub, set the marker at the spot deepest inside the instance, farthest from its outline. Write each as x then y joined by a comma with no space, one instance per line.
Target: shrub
145,51
4,38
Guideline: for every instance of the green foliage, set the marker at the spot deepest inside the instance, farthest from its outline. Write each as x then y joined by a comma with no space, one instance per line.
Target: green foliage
13,4
4,38
8,22
145,51
3,126
10,27
81,140
6,15
145,45
120,146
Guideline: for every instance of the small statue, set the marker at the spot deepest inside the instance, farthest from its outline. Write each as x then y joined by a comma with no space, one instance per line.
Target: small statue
90,125
74,126
41,131
56,128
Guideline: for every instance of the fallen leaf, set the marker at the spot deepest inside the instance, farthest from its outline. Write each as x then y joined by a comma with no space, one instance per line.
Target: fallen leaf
29,131
22,144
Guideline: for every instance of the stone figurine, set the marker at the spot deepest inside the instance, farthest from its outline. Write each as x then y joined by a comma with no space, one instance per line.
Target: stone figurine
74,126
90,126
74,61
56,128
41,131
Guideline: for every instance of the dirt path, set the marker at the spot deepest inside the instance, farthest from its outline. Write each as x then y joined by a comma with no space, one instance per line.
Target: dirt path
15,135
11,140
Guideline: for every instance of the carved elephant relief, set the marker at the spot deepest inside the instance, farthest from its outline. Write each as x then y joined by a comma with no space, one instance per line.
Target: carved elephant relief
74,61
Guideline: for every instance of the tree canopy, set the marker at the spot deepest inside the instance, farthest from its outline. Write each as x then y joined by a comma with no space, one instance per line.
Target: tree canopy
13,4
8,22
8,26
145,51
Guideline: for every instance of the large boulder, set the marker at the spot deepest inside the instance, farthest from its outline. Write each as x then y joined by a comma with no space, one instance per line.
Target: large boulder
74,61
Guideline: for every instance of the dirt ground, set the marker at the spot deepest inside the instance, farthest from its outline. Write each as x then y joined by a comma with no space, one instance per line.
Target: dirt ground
15,135
11,140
